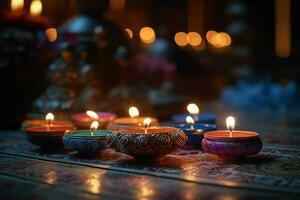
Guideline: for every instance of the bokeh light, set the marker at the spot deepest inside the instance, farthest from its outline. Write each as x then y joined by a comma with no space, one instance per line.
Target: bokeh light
218,40
147,34
51,34
129,32
181,39
194,38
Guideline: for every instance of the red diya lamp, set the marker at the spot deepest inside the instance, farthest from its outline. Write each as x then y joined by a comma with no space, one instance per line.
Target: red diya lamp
133,121
231,143
41,122
84,120
48,136
147,143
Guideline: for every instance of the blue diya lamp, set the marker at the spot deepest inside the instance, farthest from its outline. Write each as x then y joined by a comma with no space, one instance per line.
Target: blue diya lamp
195,132
86,142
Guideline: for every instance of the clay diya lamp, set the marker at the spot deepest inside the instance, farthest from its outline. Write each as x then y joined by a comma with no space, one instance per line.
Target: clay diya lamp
41,122
84,120
193,110
86,142
232,144
48,137
147,143
194,131
129,122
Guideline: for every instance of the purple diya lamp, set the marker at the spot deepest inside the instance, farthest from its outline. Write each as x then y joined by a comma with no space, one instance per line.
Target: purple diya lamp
193,110
231,144
194,131
128,122
147,143
48,136
86,142
84,120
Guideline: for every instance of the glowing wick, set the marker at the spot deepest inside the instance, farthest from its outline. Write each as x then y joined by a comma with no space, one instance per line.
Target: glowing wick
49,119
147,122
92,114
190,121
94,127
230,122
193,109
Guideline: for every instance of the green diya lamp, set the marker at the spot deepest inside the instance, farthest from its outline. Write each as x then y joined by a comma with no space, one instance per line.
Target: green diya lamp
86,142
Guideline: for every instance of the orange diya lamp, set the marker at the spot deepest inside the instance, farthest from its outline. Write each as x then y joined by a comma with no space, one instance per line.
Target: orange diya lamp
48,136
84,120
147,142
133,121
231,143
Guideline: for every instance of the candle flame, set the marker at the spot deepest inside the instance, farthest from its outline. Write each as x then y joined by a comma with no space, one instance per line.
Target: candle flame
92,114
147,122
230,122
193,109
36,8
133,112
190,120
16,5
49,117
94,125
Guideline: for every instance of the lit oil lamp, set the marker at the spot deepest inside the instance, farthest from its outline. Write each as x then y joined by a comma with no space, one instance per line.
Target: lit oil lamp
147,143
231,143
84,120
49,135
133,121
194,131
194,111
86,142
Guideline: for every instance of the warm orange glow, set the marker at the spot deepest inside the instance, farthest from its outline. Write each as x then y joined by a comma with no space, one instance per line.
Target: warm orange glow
147,35
181,39
193,109
36,8
117,4
51,34
129,32
194,38
94,125
209,35
220,40
133,112
283,28
16,5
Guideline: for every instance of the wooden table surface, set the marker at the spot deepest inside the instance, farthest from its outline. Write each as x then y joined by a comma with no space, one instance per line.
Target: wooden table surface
28,173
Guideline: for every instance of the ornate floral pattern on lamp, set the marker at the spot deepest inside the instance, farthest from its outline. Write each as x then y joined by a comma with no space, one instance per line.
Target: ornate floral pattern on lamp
157,142
84,143
247,143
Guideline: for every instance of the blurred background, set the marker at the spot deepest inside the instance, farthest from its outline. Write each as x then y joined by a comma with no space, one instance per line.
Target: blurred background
107,55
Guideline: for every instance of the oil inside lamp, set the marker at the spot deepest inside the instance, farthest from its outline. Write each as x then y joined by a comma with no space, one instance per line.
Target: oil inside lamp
190,121
193,109
230,122
16,5
36,8
49,119
94,127
92,114
147,122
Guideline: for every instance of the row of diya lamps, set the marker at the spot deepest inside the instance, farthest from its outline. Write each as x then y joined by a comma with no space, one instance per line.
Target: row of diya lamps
134,136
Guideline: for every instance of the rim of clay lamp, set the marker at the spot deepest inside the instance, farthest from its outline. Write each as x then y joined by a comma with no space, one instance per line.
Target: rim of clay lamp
223,135
150,130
